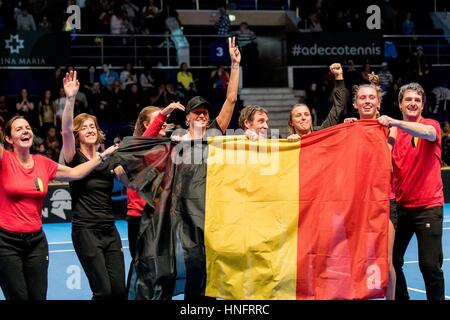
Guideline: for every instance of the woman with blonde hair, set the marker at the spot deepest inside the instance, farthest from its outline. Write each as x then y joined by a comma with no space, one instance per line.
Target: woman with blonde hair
367,100
300,120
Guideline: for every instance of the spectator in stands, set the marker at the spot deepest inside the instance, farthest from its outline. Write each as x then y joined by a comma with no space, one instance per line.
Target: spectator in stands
365,73
219,82
146,80
150,14
45,25
445,133
158,96
408,25
81,103
386,82
340,22
128,24
246,40
127,76
445,129
388,14
90,17
89,77
418,189
185,81
52,144
55,81
39,148
313,23
386,78
120,23
352,76
221,21
104,17
108,76
419,67
59,106
47,112
117,101
97,98
25,107
4,112
23,186
132,11
134,101
25,21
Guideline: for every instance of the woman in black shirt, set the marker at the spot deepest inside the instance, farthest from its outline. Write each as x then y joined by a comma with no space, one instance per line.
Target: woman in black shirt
94,234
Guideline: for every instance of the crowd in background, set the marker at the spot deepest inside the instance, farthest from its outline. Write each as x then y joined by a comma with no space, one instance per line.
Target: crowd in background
104,16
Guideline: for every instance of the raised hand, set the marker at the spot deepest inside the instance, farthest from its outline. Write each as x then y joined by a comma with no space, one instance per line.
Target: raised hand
235,54
336,69
71,84
174,105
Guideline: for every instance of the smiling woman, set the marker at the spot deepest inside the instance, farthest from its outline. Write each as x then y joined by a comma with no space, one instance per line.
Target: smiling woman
300,119
24,182
94,234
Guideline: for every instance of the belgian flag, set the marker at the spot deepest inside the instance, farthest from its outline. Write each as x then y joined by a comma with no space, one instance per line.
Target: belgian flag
237,219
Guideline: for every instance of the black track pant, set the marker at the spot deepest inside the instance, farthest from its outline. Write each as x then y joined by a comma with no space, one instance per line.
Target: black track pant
23,265
100,253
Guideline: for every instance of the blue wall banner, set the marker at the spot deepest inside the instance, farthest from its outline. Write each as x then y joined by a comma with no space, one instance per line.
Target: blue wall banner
25,49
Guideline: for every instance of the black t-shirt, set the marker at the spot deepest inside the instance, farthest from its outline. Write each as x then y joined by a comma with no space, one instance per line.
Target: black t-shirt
91,196
213,129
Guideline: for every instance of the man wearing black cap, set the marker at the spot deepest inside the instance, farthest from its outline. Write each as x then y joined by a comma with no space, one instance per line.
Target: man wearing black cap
199,126
197,109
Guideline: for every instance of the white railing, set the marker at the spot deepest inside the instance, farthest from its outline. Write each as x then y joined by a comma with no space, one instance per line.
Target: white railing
140,50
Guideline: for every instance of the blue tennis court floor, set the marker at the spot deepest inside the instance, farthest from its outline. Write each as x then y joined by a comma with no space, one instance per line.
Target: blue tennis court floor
67,280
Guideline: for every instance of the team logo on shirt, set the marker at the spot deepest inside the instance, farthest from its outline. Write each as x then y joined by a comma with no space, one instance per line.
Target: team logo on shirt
39,184
414,142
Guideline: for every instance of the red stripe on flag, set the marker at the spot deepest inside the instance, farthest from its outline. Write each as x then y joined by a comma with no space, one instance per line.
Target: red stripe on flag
343,213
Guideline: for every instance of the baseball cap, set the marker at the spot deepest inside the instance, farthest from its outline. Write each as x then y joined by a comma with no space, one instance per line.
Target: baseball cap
196,102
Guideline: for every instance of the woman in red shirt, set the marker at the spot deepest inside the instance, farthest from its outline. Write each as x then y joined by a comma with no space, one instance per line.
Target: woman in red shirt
23,186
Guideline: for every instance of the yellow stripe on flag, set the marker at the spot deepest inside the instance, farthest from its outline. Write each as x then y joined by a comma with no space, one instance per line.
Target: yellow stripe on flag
251,218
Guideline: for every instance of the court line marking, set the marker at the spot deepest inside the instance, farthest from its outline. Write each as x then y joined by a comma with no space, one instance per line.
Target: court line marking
413,261
422,291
